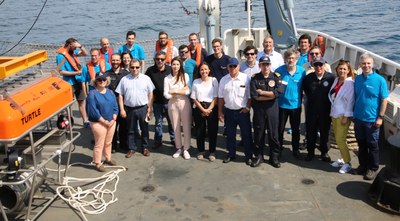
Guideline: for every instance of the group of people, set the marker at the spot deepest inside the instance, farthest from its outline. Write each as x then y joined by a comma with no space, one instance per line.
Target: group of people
186,85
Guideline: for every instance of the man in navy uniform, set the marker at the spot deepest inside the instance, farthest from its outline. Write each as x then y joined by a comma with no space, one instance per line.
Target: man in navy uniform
265,88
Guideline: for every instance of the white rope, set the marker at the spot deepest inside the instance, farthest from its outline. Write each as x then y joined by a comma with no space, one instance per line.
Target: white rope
90,201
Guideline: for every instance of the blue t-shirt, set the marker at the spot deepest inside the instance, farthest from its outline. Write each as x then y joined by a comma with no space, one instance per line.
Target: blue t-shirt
137,51
369,92
101,105
291,98
218,65
189,66
67,67
302,59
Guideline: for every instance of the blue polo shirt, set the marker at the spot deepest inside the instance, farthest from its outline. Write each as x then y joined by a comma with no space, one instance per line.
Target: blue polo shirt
369,91
67,67
137,51
291,98
302,59
189,66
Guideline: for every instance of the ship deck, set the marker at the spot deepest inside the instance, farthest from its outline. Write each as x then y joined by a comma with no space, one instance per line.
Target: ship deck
162,188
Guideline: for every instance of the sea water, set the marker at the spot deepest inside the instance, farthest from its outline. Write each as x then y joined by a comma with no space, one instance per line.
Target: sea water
370,24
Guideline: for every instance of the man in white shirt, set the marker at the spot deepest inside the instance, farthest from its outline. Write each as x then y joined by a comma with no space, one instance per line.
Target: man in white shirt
233,108
250,66
275,57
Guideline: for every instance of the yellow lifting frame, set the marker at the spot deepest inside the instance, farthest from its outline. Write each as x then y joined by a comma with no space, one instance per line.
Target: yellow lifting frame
12,65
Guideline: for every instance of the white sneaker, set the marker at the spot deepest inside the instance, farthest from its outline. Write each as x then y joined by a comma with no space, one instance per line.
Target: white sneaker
338,163
177,153
186,155
345,168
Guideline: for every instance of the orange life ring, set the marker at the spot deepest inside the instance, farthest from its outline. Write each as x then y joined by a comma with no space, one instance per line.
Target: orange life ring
320,42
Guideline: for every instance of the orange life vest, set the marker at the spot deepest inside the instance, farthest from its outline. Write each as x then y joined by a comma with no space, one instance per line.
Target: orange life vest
73,60
320,42
90,65
170,46
110,52
198,49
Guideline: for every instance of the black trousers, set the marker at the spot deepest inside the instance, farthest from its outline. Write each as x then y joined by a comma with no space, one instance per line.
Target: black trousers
295,117
317,122
201,124
266,119
120,134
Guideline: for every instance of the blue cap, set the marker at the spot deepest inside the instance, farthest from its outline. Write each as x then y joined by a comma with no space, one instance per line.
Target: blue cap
232,61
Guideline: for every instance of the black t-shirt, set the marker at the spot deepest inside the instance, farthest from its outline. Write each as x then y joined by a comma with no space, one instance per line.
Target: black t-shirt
218,65
157,77
116,78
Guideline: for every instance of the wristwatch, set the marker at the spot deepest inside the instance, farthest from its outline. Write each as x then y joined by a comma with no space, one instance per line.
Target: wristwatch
380,116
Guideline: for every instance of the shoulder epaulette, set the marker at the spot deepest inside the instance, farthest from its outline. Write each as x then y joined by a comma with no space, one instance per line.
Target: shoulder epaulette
277,74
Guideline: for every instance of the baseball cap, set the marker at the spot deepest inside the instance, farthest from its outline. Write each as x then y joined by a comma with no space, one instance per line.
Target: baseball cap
264,59
318,60
233,61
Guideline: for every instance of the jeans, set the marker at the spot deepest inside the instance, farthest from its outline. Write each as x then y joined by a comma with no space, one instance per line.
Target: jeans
133,116
367,136
159,111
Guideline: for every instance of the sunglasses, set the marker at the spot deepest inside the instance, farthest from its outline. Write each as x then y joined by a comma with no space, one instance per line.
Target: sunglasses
160,59
232,66
247,54
135,67
345,61
101,80
312,53
318,65
183,52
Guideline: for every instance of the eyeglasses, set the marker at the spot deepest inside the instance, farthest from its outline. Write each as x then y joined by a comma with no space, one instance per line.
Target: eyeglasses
160,59
183,52
232,66
314,53
101,80
318,65
252,54
135,67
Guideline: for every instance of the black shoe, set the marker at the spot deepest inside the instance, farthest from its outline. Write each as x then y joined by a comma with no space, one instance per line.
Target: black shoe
359,171
248,161
257,162
274,162
228,159
297,155
325,157
157,144
309,157
173,143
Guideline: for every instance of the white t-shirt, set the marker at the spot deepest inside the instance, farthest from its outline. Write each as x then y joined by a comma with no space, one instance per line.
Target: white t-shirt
204,91
275,57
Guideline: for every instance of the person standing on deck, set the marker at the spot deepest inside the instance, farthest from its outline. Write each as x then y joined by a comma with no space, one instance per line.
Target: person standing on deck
157,73
69,66
105,50
316,87
276,57
233,108
304,45
197,52
167,46
250,66
135,50
371,93
218,61
189,65
265,88
136,104
116,73
290,101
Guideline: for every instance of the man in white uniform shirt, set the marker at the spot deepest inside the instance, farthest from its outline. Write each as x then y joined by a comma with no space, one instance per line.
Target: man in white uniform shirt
136,103
233,107
275,57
